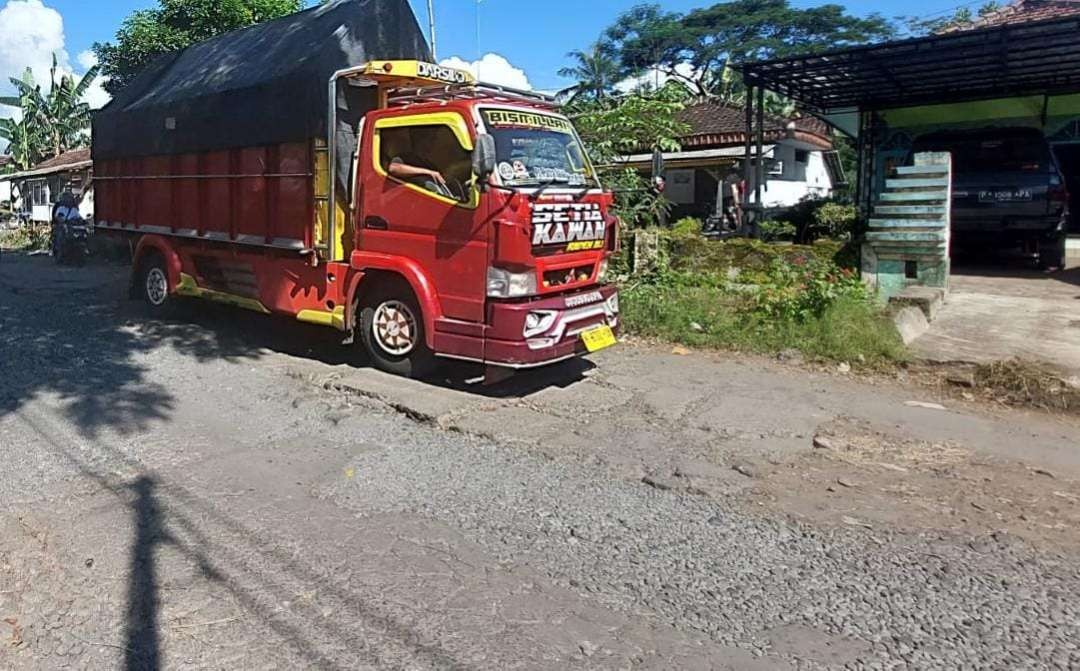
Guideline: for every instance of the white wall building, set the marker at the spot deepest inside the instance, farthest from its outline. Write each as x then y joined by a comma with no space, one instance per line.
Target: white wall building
800,162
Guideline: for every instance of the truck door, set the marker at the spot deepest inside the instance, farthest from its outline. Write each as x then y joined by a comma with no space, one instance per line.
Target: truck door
420,201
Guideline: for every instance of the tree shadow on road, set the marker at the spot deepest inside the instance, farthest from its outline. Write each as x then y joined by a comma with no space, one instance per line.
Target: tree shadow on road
250,564
72,333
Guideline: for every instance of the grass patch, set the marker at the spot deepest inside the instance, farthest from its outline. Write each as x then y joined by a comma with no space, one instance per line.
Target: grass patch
850,329
28,237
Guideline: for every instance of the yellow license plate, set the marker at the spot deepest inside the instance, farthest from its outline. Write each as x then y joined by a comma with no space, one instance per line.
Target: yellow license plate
598,338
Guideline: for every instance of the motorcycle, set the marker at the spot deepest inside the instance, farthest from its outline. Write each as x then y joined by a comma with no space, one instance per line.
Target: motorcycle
73,242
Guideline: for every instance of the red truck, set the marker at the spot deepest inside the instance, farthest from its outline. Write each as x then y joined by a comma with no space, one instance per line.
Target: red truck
467,222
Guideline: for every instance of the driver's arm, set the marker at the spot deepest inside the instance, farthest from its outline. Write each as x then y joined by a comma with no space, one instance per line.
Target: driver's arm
399,168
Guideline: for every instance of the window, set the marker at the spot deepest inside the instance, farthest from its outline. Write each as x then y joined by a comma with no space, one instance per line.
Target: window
39,193
802,156
427,156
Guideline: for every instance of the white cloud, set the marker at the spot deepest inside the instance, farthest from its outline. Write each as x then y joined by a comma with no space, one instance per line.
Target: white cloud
653,78
87,59
32,33
493,69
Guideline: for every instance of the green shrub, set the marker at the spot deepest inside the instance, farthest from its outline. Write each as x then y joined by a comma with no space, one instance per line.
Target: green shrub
804,290
777,230
835,220
816,218
687,226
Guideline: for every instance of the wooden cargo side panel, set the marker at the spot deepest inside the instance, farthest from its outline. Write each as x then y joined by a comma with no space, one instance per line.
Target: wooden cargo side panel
254,195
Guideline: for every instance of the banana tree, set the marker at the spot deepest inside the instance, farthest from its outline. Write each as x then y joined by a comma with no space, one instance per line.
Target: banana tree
46,125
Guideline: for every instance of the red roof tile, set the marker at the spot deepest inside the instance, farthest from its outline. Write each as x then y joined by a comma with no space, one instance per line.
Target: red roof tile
713,123
1024,11
72,157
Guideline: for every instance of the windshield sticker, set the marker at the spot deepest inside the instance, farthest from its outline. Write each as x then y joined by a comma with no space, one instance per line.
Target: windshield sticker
577,226
505,118
506,171
560,175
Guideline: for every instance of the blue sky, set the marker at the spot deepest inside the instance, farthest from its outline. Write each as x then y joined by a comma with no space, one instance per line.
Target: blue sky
532,36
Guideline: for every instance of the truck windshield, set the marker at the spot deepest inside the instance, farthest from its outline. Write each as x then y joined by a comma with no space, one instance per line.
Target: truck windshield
536,149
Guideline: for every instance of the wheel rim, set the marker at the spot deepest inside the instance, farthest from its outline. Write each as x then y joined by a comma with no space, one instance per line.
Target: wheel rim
394,328
157,286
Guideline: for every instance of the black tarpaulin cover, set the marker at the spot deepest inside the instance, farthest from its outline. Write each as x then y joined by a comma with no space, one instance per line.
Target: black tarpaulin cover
266,84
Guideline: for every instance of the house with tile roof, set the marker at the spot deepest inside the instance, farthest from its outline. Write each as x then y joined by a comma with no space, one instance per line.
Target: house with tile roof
34,191
800,161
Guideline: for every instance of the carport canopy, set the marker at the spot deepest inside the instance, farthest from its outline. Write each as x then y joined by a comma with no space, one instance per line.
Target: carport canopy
1041,58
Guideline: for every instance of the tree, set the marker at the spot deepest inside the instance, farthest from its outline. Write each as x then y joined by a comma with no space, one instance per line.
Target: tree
596,71
175,24
702,47
639,122
48,124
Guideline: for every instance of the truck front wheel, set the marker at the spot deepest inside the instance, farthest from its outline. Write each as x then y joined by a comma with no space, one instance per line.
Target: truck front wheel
392,328
153,282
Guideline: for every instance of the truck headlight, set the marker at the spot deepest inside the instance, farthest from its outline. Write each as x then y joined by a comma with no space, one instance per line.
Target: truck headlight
505,284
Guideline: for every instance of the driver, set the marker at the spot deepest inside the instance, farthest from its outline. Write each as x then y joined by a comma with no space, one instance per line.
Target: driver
411,168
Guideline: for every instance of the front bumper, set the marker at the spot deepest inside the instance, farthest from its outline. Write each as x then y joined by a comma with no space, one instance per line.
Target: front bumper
555,332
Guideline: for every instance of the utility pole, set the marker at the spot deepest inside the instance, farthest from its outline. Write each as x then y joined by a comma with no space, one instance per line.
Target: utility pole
431,27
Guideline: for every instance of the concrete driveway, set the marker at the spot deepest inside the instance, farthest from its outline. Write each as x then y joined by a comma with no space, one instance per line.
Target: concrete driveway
996,314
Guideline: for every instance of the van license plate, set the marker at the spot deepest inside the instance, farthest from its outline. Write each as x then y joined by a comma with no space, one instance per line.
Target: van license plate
598,338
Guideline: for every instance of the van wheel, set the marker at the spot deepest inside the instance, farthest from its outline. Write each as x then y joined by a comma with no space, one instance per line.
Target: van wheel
1052,253
392,328
153,282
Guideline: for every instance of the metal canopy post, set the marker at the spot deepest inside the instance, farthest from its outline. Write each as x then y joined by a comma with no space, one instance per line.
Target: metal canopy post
746,157
759,176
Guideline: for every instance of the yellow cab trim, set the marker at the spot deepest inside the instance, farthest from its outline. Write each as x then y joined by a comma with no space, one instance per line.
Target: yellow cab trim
415,73
335,319
188,287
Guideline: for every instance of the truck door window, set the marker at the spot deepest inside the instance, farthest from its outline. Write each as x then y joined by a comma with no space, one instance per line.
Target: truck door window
427,156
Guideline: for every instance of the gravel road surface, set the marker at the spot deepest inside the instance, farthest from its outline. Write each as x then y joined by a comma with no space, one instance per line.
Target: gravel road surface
219,490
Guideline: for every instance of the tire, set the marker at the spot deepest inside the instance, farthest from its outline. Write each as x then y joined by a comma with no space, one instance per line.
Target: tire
152,282
392,330
1052,253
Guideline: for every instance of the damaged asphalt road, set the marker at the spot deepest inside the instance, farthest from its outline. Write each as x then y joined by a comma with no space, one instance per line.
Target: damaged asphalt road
223,490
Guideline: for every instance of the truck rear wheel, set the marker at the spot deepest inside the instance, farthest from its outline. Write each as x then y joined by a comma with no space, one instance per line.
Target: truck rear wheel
392,328
153,282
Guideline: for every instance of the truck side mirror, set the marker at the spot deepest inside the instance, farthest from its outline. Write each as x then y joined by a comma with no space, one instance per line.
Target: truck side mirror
484,156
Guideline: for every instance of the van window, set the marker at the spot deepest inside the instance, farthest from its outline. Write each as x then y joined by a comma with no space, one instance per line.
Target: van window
428,156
